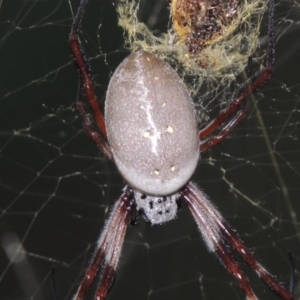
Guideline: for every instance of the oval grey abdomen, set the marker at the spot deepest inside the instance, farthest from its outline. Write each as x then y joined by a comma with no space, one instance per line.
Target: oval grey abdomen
151,125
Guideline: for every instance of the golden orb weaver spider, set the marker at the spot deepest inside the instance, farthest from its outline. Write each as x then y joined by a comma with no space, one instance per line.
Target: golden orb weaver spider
150,132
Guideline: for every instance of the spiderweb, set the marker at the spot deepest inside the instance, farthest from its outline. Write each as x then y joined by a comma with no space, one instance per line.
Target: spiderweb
56,188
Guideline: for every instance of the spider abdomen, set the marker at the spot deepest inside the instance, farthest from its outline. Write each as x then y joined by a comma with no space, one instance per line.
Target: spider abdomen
151,125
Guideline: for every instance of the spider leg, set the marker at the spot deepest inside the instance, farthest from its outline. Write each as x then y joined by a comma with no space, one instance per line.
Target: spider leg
217,234
237,105
87,124
108,248
238,245
224,132
86,85
213,237
89,129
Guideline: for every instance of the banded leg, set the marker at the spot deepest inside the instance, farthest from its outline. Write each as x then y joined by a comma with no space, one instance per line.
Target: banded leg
106,257
217,234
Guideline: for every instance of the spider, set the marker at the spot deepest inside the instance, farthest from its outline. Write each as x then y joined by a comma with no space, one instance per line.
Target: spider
150,132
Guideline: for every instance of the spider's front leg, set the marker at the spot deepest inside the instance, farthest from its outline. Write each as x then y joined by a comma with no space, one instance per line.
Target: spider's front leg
217,234
108,248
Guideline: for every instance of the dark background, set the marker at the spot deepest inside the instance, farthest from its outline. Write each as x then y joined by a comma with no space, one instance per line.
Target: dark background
56,188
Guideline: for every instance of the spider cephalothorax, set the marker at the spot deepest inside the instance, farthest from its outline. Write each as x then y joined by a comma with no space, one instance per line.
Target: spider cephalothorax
156,149
157,209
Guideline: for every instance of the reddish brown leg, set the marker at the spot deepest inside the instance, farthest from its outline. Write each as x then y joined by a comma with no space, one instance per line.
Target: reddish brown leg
216,139
89,129
108,248
237,108
86,85
238,245
218,234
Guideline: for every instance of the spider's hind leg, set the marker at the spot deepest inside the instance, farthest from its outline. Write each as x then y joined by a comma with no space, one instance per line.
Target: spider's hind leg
86,86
